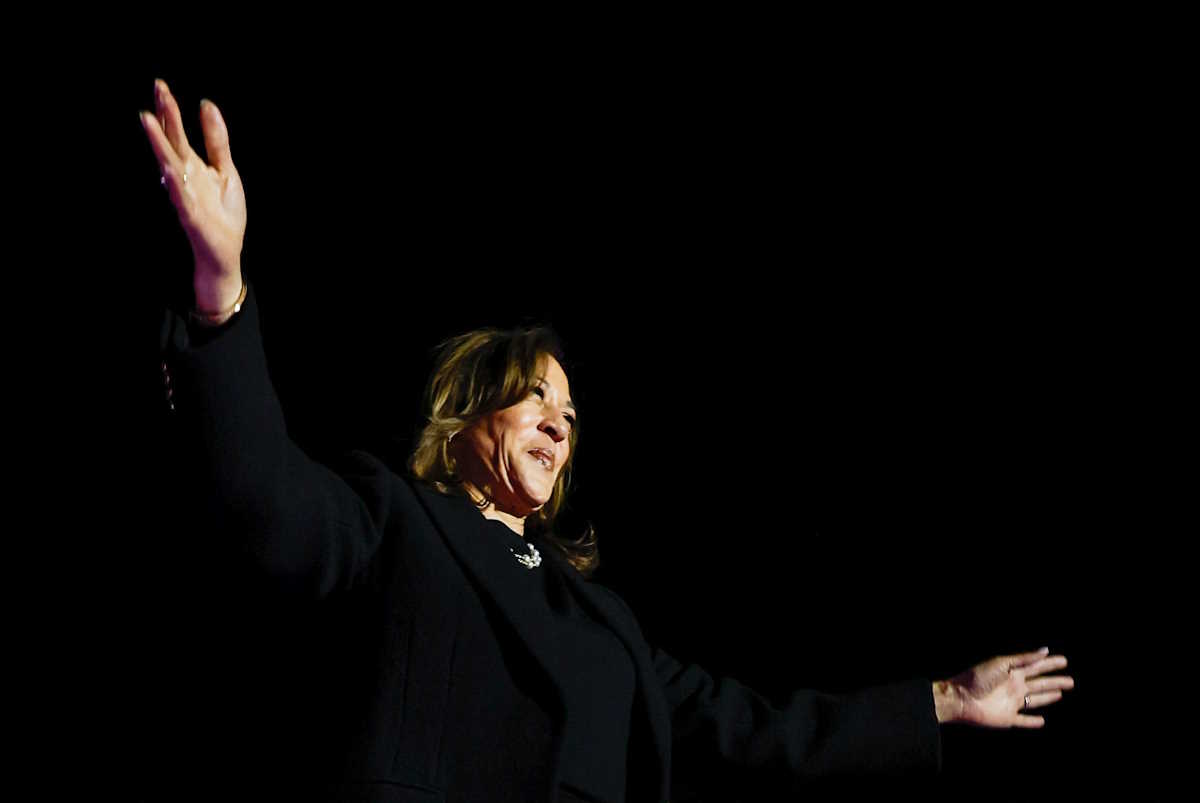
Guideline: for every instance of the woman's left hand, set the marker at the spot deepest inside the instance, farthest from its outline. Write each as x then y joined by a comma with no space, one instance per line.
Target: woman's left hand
994,694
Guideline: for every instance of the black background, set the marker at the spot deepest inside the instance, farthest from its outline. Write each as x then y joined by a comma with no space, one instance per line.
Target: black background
870,368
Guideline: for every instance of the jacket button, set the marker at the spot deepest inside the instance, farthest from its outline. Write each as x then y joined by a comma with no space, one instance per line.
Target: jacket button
171,405
170,393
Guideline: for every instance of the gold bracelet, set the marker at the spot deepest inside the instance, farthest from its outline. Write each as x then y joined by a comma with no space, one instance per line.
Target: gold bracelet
218,318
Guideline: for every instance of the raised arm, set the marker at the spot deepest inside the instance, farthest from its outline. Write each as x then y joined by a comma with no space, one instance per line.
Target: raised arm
311,527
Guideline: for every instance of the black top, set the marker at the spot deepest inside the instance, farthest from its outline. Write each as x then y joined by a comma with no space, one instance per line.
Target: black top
409,719
593,667
589,662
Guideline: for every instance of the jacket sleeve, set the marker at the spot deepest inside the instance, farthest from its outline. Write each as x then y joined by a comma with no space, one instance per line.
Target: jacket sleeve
720,724
889,729
311,529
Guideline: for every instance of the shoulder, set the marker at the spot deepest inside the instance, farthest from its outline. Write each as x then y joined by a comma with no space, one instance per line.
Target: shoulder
359,463
374,479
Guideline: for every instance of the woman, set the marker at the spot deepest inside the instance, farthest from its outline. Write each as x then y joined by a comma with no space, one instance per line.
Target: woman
476,661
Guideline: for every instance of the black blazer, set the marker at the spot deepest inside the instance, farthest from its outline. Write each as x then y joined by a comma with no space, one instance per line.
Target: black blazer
436,687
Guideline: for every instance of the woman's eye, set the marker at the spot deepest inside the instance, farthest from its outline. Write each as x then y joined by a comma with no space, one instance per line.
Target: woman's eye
542,393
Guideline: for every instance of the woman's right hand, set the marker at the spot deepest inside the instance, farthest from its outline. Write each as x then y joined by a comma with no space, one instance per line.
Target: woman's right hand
211,205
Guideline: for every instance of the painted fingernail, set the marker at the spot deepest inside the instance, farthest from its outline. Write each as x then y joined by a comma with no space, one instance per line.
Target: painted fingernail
1044,649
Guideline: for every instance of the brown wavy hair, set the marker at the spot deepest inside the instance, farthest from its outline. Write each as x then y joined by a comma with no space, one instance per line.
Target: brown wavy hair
477,373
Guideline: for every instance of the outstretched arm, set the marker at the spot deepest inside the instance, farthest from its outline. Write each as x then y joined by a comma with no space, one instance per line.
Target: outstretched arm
882,730
722,728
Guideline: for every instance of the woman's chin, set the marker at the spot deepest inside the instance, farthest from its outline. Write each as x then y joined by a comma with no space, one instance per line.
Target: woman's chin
536,496
538,502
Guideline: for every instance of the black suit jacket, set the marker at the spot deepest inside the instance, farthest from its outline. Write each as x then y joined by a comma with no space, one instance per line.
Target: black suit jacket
433,684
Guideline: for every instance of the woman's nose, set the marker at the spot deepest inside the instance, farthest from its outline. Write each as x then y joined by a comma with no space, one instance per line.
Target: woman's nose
555,427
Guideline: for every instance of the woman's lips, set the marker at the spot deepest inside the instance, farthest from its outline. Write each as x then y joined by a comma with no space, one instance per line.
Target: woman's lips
539,455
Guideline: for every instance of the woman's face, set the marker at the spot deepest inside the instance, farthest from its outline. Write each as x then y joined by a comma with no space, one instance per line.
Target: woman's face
498,454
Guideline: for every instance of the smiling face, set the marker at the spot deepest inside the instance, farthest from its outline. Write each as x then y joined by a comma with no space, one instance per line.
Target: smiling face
514,455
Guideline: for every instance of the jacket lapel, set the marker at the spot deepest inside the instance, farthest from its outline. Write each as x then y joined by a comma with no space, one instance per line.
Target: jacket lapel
484,562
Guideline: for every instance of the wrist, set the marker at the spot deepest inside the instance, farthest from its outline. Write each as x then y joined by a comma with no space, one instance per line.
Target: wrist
218,296
947,703
216,291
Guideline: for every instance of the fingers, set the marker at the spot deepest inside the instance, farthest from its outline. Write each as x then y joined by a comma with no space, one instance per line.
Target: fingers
1023,721
171,120
1048,664
1037,700
163,151
1050,683
169,164
1023,659
216,137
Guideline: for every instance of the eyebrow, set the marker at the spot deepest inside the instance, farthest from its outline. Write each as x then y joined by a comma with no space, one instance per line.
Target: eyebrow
569,403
